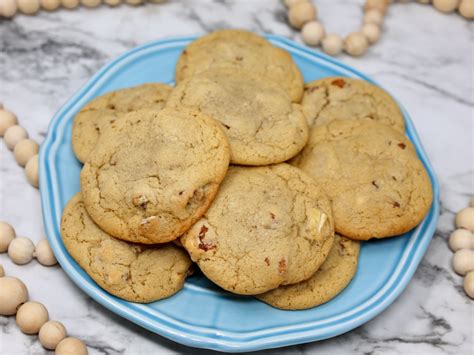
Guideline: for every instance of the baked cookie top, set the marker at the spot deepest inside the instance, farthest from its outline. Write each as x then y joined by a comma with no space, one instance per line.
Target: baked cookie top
134,272
233,49
267,227
376,183
153,174
331,278
342,98
102,111
263,125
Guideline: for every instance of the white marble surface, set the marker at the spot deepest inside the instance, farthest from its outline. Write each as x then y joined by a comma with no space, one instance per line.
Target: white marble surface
426,60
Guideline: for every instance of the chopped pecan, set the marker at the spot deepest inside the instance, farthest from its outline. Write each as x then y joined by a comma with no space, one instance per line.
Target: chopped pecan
402,145
339,83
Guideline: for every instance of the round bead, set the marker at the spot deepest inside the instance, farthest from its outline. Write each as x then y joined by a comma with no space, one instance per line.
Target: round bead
70,4
463,261
466,9
471,203
332,44
356,44
112,2
371,32
71,345
446,5
31,171
313,32
8,8
50,5
380,5
373,16
461,239
25,150
290,3
51,333
7,234
469,284
13,135
465,219
44,254
7,119
14,293
31,316
28,7
2,272
90,3
134,2
301,13
21,250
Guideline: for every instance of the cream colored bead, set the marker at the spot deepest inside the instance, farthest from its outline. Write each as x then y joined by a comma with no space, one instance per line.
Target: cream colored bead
446,5
373,16
31,171
31,316
50,5
461,239
380,5
28,7
463,261
301,13
90,3
51,333
7,234
44,254
21,250
2,272
13,135
134,2
14,293
313,32
469,284
112,2
356,44
332,44
70,4
70,346
8,8
290,3
25,150
371,32
466,9
7,119
471,203
465,219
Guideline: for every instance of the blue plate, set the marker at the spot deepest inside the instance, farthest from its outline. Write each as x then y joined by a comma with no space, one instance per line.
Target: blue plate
202,315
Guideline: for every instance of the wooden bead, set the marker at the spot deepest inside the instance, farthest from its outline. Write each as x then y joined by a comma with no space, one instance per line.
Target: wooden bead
7,119
28,7
14,294
371,32
356,44
44,254
301,13
8,8
333,44
71,345
25,150
51,334
471,203
31,316
290,3
313,32
446,5
31,171
112,2
50,5
21,250
466,9
469,284
380,5
373,16
461,239
70,4
2,272
463,261
90,3
465,219
13,135
7,234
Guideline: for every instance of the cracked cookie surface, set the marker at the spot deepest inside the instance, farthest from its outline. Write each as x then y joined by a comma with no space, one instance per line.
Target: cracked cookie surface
331,279
263,125
234,49
104,110
268,226
342,98
154,174
376,183
134,272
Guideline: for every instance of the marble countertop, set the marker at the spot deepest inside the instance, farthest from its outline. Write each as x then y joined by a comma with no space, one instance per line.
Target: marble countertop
425,58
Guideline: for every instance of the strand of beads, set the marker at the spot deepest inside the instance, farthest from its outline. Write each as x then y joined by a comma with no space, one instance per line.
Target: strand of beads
33,318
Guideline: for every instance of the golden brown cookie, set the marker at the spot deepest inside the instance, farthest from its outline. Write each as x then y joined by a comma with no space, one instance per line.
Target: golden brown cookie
133,272
154,174
102,111
234,49
331,278
339,98
267,227
377,185
263,125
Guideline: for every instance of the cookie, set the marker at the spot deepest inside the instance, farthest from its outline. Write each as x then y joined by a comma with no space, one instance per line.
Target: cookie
341,98
267,227
234,49
102,111
263,125
377,185
331,278
153,174
133,272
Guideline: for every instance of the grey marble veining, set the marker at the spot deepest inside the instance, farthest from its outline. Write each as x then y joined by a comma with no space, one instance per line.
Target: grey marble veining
425,59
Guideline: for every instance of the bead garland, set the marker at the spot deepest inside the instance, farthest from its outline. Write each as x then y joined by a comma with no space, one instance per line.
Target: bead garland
303,14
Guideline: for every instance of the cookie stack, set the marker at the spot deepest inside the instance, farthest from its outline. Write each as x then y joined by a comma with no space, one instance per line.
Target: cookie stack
245,171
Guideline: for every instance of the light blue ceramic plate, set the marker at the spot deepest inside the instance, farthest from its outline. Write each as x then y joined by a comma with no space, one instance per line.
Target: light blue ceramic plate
202,315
